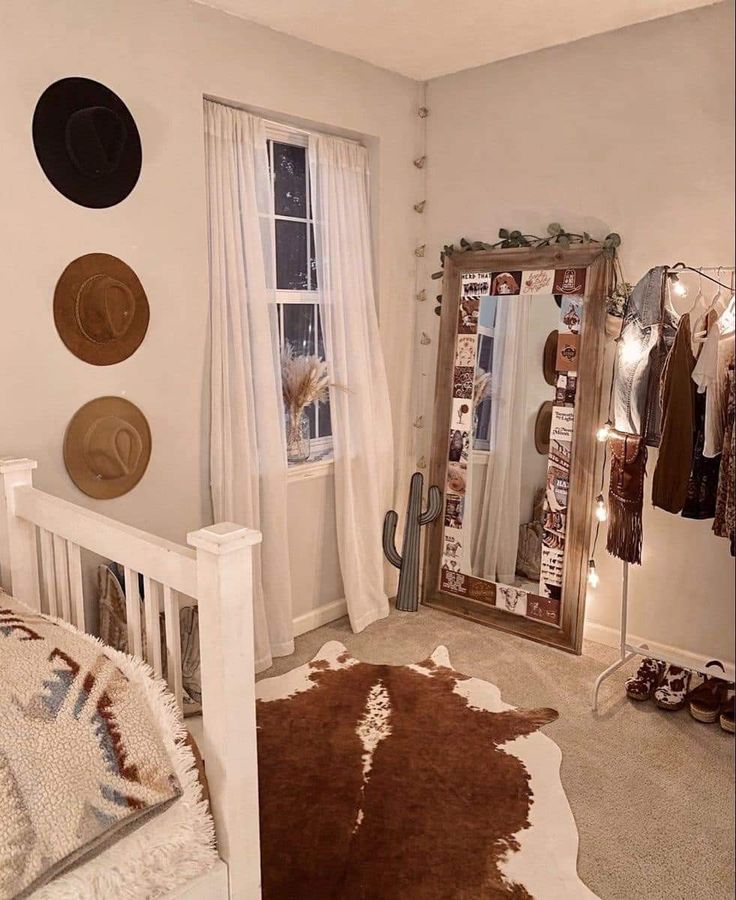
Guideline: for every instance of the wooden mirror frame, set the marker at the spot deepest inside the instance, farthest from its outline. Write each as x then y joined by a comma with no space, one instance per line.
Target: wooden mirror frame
568,635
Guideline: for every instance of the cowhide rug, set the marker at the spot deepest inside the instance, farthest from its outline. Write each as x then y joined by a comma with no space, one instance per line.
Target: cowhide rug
408,783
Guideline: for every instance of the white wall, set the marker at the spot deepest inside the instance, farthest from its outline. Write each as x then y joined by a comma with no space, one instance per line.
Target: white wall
161,57
630,131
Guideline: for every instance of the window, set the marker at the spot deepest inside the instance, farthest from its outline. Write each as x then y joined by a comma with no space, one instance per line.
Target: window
295,275
482,437
484,366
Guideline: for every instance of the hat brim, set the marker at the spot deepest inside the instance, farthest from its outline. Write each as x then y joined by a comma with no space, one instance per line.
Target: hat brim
549,359
80,473
72,278
543,427
52,112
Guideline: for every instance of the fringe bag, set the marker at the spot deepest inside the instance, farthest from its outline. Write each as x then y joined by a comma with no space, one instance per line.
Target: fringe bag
626,496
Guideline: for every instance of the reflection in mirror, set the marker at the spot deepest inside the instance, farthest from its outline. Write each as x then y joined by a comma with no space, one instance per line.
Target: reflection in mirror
510,441
508,468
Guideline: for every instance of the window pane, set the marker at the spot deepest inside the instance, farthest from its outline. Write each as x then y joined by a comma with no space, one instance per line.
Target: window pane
309,413
485,354
325,419
299,327
320,336
483,425
291,256
312,261
290,180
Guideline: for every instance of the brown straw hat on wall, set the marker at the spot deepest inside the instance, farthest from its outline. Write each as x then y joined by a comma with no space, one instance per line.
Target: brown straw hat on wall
542,427
549,358
100,309
107,447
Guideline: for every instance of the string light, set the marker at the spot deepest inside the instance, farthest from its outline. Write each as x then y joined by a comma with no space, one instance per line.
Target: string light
602,435
600,509
678,287
593,577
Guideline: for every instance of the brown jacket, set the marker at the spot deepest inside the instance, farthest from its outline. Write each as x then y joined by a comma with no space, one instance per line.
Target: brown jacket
671,476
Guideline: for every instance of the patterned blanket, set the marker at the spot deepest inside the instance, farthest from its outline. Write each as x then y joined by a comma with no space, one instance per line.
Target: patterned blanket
80,755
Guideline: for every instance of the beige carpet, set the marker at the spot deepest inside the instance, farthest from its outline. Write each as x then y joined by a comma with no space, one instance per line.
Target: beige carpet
652,792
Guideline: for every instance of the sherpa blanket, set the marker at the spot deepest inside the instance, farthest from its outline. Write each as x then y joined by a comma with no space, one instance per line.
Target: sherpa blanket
81,759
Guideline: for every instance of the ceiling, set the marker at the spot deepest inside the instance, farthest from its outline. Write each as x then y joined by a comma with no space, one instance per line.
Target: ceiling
424,39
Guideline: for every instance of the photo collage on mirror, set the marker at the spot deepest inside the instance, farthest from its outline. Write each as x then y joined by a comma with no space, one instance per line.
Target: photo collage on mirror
568,288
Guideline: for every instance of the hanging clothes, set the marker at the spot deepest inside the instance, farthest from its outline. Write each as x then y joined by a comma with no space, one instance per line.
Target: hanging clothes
660,353
638,357
710,375
725,517
700,502
703,484
645,336
672,472
625,496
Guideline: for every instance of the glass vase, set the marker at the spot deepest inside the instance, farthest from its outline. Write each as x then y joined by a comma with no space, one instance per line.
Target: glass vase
297,437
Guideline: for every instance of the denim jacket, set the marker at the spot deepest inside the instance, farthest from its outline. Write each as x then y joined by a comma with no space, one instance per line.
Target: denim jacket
646,338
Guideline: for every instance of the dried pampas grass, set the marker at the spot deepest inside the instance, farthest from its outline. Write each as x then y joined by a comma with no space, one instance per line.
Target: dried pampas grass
304,380
482,386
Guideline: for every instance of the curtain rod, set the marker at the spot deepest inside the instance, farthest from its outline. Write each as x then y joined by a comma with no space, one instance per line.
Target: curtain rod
277,124
307,131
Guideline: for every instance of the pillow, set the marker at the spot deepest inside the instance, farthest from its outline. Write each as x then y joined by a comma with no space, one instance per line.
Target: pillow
81,760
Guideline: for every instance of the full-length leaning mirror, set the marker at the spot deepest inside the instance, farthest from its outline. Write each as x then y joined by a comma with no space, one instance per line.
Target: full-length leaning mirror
514,451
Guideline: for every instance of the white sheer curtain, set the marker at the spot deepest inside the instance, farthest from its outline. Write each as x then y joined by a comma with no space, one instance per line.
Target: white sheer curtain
496,542
247,444
361,417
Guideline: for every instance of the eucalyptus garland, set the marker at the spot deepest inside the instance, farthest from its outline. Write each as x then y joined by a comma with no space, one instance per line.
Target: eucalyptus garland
556,234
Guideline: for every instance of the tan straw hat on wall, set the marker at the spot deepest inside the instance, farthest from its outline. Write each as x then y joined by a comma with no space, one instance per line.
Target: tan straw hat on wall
100,309
107,447
542,427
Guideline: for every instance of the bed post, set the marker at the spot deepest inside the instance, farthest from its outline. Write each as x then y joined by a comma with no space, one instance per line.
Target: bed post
18,559
225,589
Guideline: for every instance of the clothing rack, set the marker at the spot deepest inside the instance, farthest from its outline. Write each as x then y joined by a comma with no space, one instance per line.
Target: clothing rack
701,270
629,650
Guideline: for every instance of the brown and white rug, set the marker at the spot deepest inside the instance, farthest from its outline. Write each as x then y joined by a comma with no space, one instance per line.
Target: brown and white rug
408,783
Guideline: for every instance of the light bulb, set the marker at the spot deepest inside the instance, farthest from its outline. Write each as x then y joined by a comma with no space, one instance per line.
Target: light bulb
679,288
601,513
593,577
604,432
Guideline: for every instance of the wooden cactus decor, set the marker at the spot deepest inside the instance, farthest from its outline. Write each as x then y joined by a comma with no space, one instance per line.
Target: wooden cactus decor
407,598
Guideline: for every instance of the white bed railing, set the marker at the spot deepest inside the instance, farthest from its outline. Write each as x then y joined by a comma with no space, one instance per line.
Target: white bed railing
44,539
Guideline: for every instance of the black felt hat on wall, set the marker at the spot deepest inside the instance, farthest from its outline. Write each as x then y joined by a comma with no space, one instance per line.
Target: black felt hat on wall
87,142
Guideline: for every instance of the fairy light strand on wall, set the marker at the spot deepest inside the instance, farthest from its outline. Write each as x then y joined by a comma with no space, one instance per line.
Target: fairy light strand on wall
422,351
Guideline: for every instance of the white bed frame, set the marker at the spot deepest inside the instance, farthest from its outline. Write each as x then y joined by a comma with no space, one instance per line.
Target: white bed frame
42,560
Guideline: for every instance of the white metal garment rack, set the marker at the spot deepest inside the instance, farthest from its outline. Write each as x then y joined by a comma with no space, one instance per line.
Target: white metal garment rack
627,651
